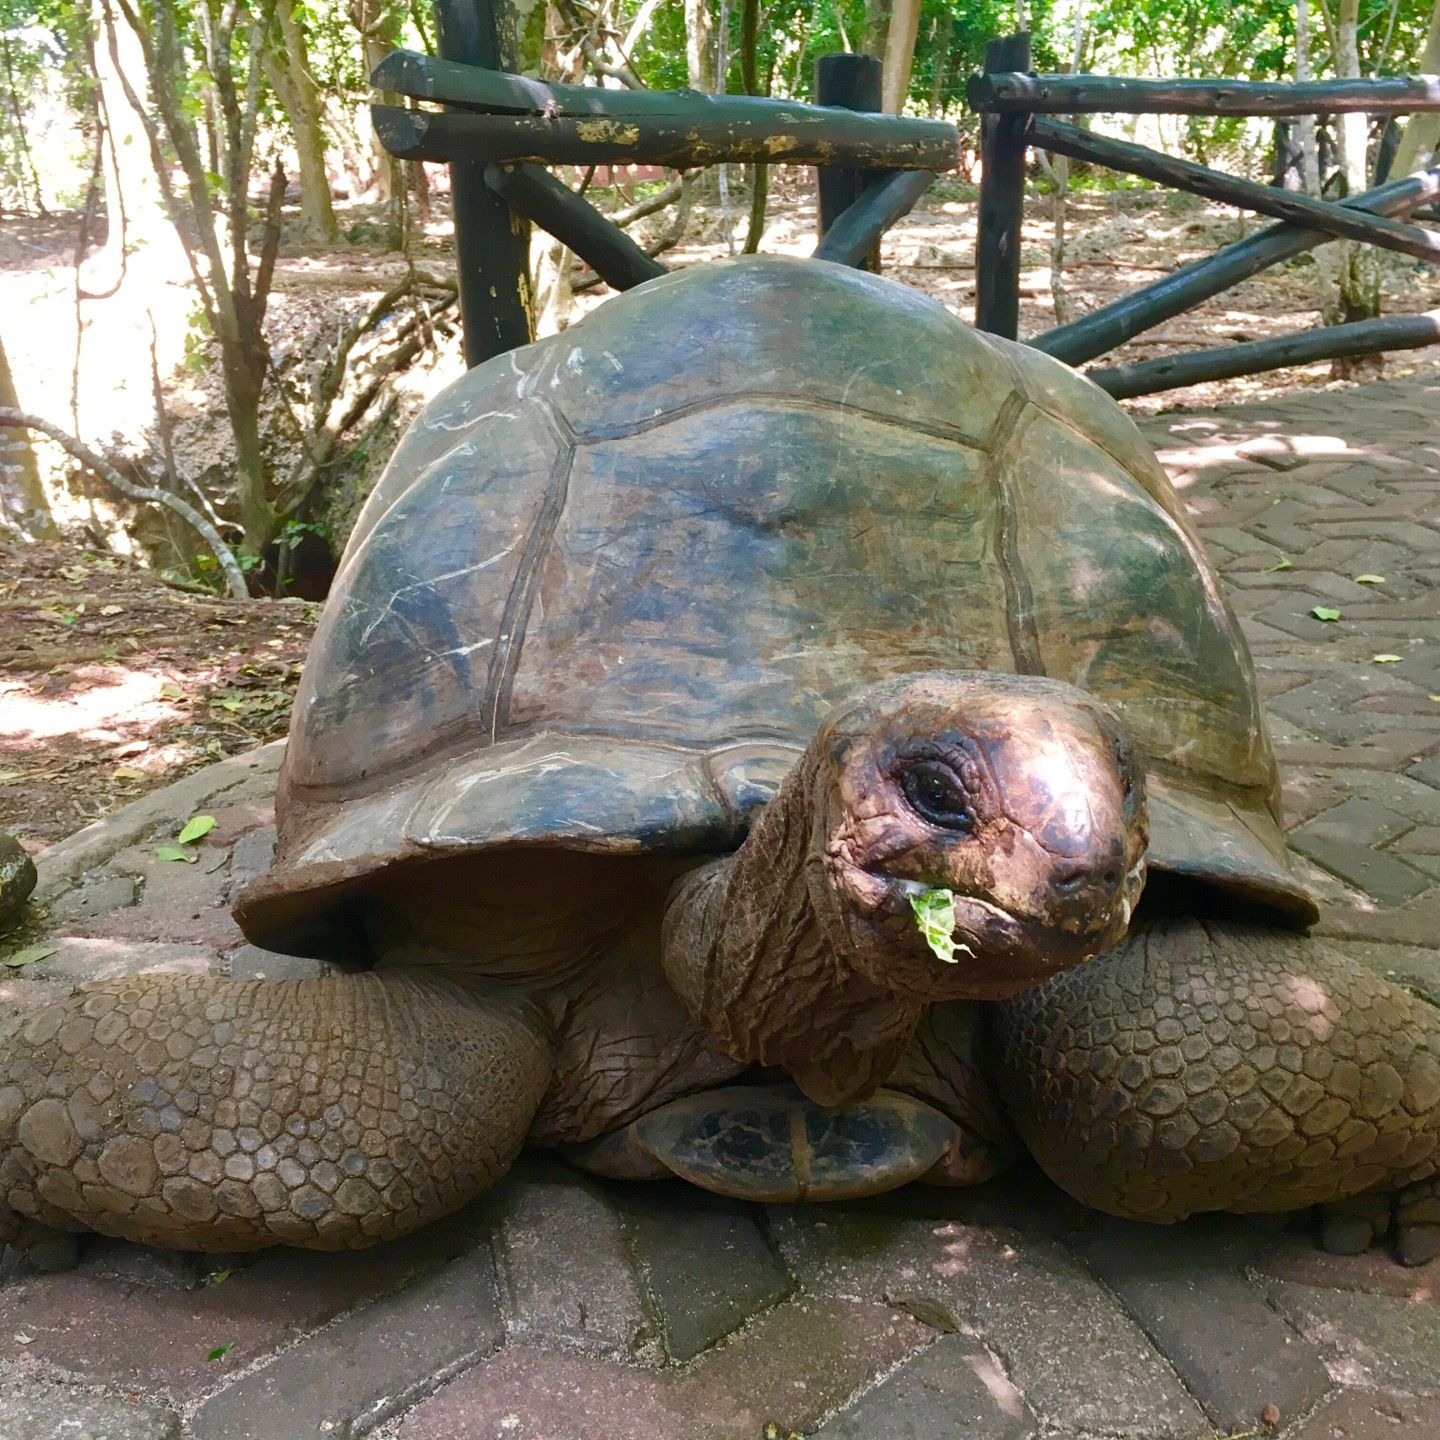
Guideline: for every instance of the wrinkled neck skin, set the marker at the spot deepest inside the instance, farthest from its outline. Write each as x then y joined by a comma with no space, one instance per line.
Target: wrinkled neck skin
757,947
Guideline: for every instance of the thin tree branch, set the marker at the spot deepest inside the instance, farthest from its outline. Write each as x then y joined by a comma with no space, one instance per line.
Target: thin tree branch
234,576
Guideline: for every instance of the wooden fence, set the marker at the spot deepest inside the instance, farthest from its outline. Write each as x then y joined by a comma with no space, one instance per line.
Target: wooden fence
1015,107
498,132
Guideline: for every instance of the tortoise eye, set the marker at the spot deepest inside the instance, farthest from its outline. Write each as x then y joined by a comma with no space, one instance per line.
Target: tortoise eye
933,793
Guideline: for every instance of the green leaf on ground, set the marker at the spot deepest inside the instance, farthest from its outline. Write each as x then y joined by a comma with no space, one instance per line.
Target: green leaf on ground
221,1351
1369,579
171,691
1324,612
29,955
174,852
197,827
1283,563
1387,659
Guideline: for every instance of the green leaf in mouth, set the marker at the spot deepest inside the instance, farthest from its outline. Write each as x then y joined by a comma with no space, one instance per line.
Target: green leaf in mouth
935,915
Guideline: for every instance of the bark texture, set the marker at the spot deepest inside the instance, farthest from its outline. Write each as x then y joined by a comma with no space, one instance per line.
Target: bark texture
1422,131
294,83
24,509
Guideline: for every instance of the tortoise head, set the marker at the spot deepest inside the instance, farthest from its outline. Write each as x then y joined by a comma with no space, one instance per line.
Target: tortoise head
1018,794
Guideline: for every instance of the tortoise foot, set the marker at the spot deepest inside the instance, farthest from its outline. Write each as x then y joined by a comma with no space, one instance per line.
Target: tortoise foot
1417,1222
1216,1066
44,1246
1350,1227
1407,1219
199,1113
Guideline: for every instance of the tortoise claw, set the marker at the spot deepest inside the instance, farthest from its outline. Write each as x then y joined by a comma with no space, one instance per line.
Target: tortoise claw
1417,1222
1408,1217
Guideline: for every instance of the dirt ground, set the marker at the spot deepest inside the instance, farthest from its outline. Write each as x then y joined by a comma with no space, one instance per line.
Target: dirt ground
113,682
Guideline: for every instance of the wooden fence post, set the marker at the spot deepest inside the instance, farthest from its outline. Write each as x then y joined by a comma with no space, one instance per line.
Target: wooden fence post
851,81
1002,201
492,245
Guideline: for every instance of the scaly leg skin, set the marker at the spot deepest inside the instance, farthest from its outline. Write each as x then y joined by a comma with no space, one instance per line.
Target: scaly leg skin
947,1066
209,1114
1218,1066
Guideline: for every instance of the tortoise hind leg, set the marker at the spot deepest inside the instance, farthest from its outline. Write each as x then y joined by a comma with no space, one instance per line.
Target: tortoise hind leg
1210,1066
211,1114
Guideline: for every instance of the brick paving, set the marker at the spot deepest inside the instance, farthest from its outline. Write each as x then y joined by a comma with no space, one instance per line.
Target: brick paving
559,1307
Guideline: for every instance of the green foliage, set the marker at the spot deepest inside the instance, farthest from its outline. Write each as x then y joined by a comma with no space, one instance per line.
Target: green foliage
935,915
294,531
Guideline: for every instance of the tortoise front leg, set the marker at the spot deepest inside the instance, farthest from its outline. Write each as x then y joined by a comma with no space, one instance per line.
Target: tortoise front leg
211,1114
1216,1066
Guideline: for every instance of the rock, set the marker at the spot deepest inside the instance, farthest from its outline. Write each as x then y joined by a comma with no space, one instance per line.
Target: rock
17,877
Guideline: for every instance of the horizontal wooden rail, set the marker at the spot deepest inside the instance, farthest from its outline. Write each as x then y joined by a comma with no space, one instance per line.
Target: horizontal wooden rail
1012,91
537,195
424,77
859,227
1324,215
815,137
1363,337
1182,290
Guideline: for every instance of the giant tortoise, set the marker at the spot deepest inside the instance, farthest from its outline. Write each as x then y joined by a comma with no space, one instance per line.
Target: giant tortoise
676,665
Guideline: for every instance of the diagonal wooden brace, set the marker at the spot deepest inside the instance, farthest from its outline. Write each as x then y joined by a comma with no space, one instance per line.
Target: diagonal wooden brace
859,227
1180,174
537,195
1187,287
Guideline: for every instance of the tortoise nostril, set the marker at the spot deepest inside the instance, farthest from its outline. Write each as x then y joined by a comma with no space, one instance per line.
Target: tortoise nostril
1078,878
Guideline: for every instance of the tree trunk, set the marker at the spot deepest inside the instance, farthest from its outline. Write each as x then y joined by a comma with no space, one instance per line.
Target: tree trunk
301,98
24,510
134,209
242,394
944,33
876,28
750,78
1358,293
379,23
1305,124
699,45
1058,169
1422,130
899,54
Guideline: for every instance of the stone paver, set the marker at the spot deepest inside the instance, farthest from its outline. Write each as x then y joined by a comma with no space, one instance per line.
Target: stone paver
1364,1415
1025,1296
791,1367
704,1262
64,1412
953,1387
83,1326
1175,1281
588,1295
1382,1341
367,1367
560,1306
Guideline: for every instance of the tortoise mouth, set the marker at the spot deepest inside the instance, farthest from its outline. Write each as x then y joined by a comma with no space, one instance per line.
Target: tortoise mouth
995,952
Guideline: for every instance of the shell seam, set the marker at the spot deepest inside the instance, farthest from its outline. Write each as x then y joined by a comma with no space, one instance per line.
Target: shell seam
515,618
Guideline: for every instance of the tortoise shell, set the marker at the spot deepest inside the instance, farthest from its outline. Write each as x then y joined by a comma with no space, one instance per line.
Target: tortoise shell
609,585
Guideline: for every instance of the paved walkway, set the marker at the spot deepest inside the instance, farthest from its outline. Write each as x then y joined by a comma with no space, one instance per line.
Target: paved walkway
563,1309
